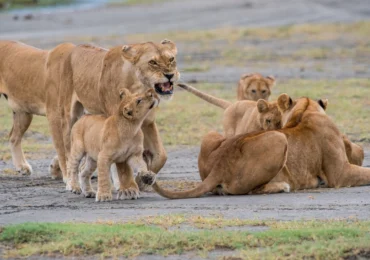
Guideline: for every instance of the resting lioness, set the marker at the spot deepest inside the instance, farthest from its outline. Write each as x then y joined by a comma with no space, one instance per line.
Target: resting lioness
116,139
29,80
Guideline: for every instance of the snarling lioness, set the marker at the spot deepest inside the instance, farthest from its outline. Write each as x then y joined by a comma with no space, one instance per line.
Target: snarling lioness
316,150
29,79
117,139
92,76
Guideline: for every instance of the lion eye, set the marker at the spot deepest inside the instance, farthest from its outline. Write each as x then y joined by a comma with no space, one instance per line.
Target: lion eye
171,59
268,121
263,91
153,62
253,91
138,101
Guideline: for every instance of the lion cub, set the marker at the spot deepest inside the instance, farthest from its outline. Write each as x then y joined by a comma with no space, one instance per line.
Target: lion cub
248,116
117,139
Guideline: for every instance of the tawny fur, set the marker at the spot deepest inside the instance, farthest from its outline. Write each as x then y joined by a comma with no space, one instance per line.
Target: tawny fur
92,76
29,78
117,139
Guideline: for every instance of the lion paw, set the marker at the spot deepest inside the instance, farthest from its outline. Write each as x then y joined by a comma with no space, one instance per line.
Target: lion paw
89,194
54,169
103,196
128,194
25,170
76,189
68,185
148,178
286,187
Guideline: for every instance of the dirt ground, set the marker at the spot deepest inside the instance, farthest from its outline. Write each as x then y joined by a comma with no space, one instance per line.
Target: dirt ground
38,198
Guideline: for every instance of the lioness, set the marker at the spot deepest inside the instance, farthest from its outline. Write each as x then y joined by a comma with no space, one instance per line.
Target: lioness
29,80
234,169
316,150
116,139
254,86
243,116
92,76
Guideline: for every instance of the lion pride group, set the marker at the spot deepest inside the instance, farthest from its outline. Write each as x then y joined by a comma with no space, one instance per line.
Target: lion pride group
100,106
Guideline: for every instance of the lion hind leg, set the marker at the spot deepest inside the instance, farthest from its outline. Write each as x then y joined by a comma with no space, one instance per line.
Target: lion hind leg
85,177
77,153
21,122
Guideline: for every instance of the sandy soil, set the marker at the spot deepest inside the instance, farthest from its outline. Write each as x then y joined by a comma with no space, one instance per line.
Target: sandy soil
38,198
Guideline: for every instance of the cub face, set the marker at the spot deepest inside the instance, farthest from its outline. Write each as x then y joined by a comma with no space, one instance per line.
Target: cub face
155,65
269,115
255,87
137,107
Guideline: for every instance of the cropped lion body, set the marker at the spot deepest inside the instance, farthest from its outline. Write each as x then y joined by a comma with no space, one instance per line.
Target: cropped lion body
117,139
92,76
29,79
316,150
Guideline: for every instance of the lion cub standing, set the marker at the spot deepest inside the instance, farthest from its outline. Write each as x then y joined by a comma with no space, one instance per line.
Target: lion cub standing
116,139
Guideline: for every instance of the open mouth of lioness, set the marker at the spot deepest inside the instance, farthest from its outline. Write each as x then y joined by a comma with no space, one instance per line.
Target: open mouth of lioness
164,88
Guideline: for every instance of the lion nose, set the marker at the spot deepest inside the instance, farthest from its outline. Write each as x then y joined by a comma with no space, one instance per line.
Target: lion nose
169,76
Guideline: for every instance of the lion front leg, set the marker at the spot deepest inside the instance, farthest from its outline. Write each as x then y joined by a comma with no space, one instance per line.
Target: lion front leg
104,192
128,187
154,152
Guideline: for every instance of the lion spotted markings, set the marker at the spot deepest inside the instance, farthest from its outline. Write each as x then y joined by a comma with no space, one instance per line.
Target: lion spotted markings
117,139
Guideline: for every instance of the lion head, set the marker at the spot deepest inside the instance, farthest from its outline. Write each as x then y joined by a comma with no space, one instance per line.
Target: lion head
255,86
155,65
269,115
292,110
137,106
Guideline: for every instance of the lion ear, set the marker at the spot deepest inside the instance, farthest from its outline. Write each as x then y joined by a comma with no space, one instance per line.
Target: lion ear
170,45
262,105
131,53
284,102
123,92
323,103
271,81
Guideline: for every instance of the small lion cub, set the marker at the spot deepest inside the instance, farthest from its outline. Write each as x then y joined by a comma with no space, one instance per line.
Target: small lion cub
117,139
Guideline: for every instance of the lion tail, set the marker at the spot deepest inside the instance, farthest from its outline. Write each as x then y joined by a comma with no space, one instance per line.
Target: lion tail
206,186
211,99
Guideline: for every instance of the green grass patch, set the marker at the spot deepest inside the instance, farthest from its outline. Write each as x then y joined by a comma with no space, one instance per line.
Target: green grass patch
33,3
329,239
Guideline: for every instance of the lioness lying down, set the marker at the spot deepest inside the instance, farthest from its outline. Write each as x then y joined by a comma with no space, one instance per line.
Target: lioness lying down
241,164
116,139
